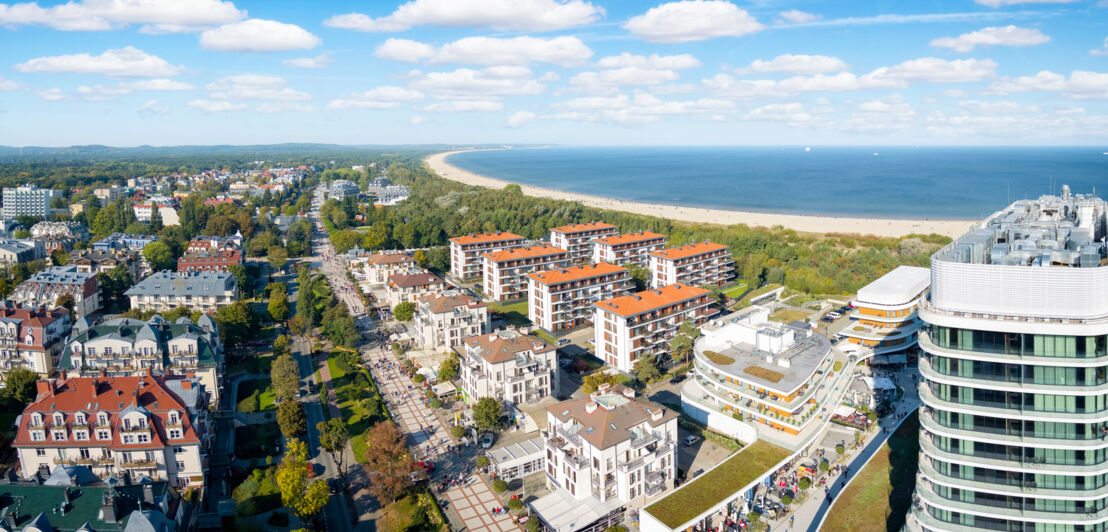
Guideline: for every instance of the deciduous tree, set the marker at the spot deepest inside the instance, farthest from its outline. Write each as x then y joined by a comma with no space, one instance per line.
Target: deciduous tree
448,370
159,256
279,305
301,493
284,375
404,311
291,419
333,435
387,459
486,413
19,384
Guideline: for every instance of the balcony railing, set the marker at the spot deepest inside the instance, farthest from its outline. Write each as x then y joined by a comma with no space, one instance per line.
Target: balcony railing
139,464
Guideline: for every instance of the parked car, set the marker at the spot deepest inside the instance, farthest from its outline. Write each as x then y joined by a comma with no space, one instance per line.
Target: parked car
691,440
486,440
563,341
678,378
698,473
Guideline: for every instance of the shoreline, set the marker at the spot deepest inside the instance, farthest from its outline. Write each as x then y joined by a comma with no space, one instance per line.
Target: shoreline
893,227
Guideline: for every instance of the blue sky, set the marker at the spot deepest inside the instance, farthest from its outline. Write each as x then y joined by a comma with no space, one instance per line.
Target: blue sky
603,72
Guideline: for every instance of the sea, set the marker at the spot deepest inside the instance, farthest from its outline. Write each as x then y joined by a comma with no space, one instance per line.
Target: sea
888,182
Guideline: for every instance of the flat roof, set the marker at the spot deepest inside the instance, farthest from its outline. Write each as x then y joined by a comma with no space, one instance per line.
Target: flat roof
897,287
576,273
519,452
565,513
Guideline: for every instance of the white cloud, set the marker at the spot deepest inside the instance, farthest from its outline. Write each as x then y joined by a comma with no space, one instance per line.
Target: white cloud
461,106
591,103
213,106
999,107
992,36
795,16
653,61
793,114
999,3
99,92
257,35
1103,50
520,118
1082,85
277,107
52,95
935,70
550,76
605,80
159,16
564,51
465,83
1064,111
504,15
692,20
319,61
253,87
643,108
889,114
418,120
158,84
404,50
955,93
9,85
121,62
152,107
386,97
798,64
924,18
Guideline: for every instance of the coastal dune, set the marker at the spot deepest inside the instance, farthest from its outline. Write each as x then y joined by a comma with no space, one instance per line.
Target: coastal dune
808,224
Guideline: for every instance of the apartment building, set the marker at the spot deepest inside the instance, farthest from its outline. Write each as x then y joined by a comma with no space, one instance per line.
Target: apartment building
203,291
108,195
466,251
45,287
629,327
123,241
14,252
342,188
761,375
443,320
505,272
507,366
884,322
32,338
605,454
27,200
128,347
378,267
628,249
144,212
560,300
411,286
95,261
205,243
115,426
577,238
1013,373
695,264
71,229
218,260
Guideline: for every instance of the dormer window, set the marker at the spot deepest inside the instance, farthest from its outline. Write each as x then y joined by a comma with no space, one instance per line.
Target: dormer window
59,419
79,419
103,419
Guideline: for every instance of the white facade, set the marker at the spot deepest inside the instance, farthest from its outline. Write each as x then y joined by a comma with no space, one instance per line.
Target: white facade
884,320
143,213
629,327
27,199
577,238
695,265
466,251
628,249
507,366
443,320
562,299
504,275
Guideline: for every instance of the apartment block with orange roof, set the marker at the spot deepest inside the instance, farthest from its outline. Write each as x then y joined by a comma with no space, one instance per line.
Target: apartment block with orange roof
629,327
577,238
505,272
695,264
466,251
562,299
627,249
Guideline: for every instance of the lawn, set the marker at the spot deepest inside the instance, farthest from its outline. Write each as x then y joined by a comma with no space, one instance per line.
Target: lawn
401,515
361,414
760,291
257,441
697,496
788,315
515,314
735,291
266,396
763,373
252,365
333,365
878,499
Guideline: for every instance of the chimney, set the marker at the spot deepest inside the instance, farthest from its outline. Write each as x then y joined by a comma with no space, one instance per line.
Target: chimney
590,407
603,388
186,384
45,386
628,393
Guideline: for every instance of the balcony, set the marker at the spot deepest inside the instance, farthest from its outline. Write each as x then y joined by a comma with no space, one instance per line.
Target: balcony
136,428
139,464
654,489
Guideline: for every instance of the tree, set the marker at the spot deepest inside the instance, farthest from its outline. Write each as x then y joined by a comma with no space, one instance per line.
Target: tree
19,384
486,413
59,257
284,375
640,276
404,311
159,256
388,461
156,219
333,435
300,493
281,345
242,279
449,368
291,419
681,345
279,306
113,288
647,369
237,323
66,301
714,292
21,234
278,256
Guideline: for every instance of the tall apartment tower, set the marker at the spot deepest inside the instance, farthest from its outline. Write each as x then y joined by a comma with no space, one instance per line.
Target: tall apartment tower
1014,422
27,199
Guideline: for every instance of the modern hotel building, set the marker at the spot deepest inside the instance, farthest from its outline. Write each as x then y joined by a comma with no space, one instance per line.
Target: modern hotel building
884,322
1014,423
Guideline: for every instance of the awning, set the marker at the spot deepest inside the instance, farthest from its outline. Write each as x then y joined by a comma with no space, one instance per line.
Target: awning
879,383
563,512
844,411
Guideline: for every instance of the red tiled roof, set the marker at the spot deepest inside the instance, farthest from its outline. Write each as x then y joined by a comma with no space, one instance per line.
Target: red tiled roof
523,253
485,238
580,228
406,280
440,303
648,300
575,273
687,251
629,238
390,258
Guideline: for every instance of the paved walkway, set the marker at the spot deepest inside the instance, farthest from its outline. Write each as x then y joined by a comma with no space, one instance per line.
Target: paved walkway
474,504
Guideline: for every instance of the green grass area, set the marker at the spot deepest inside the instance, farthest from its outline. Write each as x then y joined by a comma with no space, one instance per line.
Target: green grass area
725,480
545,337
736,291
257,441
515,313
878,498
360,410
265,398
252,365
333,366
788,315
758,292
409,513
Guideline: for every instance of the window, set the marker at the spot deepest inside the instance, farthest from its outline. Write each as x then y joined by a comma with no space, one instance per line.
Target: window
40,452
127,438
143,438
175,434
178,450
36,436
84,454
180,465
102,435
80,435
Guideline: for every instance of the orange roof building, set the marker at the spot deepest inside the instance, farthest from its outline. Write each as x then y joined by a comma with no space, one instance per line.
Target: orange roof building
695,264
466,251
629,327
505,271
560,300
577,238
627,249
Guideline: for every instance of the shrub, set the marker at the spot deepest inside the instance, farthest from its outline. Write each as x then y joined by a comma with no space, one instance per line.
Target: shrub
482,461
532,525
457,431
804,483
839,449
838,366
515,505
824,466
436,403
787,500
752,517
418,378
499,486
351,394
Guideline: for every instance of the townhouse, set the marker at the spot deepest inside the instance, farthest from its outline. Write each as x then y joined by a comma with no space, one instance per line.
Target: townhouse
410,286
507,366
378,267
443,320
32,338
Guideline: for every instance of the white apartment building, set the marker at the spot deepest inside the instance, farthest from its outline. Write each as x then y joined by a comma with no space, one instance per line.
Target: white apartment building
27,199
411,286
466,251
884,322
117,426
32,338
108,195
696,264
627,249
505,271
144,211
507,366
46,286
378,267
560,300
199,291
629,327
577,238
443,320
606,453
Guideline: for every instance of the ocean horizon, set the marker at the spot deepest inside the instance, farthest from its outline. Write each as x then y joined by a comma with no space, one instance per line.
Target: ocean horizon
956,183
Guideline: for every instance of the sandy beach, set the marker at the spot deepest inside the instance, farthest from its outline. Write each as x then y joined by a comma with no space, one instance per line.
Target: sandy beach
809,224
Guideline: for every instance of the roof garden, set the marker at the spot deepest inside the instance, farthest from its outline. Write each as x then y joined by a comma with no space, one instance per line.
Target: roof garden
720,484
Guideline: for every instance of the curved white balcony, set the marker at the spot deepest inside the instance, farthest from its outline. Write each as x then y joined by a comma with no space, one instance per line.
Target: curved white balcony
929,448
929,497
935,427
929,399
929,472
928,372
